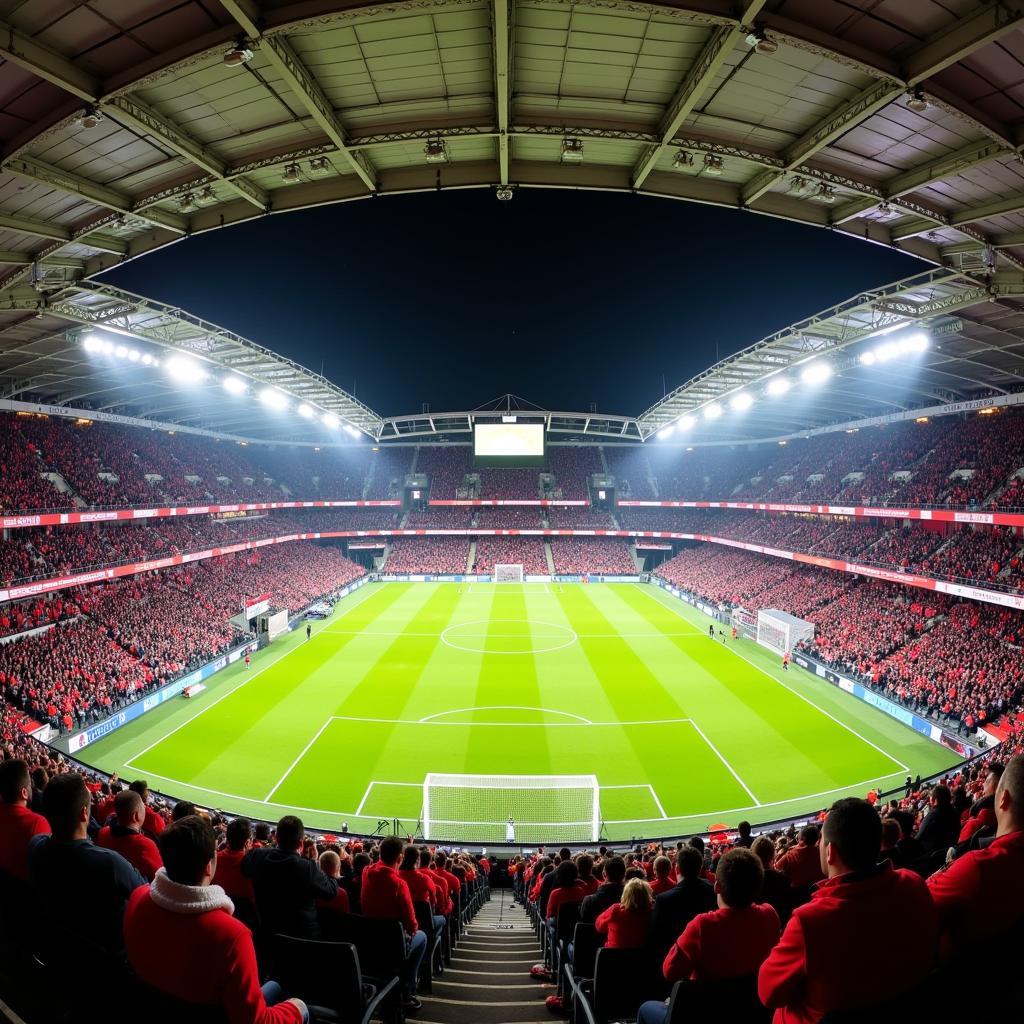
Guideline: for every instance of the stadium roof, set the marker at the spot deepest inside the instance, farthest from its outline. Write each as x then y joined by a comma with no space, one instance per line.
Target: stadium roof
128,126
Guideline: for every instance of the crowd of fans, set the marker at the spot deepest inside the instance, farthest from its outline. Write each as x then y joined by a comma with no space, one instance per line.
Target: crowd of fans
595,555
572,469
448,555
525,551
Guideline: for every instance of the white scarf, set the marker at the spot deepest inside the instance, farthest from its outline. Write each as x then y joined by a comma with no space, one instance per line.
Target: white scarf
187,899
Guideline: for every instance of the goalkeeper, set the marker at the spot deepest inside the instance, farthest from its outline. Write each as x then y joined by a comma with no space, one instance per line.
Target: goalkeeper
510,830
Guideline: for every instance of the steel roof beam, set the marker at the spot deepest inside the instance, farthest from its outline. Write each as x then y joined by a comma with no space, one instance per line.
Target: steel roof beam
970,34
40,60
91,192
151,123
41,229
698,80
500,42
26,259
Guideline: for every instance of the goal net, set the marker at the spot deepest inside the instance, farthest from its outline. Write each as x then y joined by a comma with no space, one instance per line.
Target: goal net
511,808
744,622
780,631
508,573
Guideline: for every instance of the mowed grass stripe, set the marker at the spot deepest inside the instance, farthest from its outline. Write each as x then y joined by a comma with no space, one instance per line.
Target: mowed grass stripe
382,693
789,743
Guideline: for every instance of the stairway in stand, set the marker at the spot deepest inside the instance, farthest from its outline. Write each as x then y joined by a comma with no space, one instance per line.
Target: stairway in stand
489,981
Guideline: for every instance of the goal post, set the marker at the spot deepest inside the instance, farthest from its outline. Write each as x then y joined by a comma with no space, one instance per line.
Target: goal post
529,808
507,573
781,632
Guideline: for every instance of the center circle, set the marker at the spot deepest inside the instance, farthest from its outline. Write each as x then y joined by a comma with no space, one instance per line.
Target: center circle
508,636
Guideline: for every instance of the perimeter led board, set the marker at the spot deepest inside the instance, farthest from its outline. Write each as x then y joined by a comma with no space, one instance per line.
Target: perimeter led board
508,444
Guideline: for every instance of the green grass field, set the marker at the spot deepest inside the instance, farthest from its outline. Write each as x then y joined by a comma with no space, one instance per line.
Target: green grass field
618,681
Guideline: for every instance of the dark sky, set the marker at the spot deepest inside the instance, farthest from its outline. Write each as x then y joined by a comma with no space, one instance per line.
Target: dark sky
562,297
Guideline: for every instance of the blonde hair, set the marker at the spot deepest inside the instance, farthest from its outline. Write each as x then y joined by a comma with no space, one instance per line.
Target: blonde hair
637,895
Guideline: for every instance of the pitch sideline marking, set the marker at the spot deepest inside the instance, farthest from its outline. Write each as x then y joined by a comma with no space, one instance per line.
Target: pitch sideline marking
378,782
732,771
510,725
796,693
302,754
245,679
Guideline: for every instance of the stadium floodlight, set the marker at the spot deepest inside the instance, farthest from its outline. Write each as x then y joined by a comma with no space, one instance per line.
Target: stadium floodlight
351,430
306,411
917,342
687,423
234,384
121,351
572,151
682,161
330,421
712,411
867,358
290,175
778,386
713,165
741,401
908,344
666,432
147,359
92,343
134,355
434,152
274,399
207,197
237,56
916,102
320,167
826,194
816,373
187,203
185,370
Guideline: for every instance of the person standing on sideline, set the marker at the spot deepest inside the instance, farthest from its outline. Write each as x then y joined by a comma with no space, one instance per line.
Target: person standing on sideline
711,631
248,659
785,662
309,630
510,830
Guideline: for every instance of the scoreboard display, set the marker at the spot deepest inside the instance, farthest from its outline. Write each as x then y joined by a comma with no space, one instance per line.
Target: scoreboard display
508,444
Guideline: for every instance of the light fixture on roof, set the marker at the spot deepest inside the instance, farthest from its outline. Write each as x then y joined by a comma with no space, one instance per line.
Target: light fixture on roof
237,56
89,118
290,174
816,373
884,211
185,370
741,401
712,411
207,197
826,194
907,344
687,423
504,193
351,430
713,164
147,359
274,399
187,203
759,42
572,151
320,167
92,343
778,386
666,432
306,411
916,102
434,152
798,185
234,384
682,161
330,421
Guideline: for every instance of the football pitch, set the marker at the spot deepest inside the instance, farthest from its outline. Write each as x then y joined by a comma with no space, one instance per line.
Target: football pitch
618,681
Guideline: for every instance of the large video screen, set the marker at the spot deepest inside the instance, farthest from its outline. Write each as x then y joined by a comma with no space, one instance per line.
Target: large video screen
508,444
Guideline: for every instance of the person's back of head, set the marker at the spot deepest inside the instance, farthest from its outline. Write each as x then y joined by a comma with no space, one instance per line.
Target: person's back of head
689,863
424,857
585,866
1009,800
738,878
637,895
440,860
809,835
330,864
851,838
744,829
261,833
566,874
15,782
183,809
290,833
66,804
238,834
391,850
140,786
697,843
360,862
764,849
614,870
188,847
564,853
890,833
905,820
662,866
941,796
410,858
129,809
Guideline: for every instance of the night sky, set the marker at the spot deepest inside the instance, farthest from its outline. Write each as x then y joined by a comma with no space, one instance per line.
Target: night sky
564,298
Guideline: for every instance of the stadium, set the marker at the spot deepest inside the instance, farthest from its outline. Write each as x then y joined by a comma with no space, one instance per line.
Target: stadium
300,697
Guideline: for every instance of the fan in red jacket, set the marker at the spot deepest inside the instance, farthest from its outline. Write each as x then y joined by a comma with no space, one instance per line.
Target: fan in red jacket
837,951
444,900
628,922
17,823
181,939
125,835
802,864
154,824
983,814
980,894
330,865
385,895
229,860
